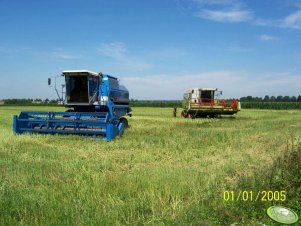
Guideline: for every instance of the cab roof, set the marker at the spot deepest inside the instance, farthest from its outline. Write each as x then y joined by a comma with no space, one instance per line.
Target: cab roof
80,72
201,89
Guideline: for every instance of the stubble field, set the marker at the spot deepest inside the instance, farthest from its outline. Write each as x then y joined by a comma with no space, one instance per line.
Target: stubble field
163,171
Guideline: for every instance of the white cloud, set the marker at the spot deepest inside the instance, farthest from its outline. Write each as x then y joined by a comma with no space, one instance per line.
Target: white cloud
226,15
113,49
118,52
265,37
171,87
62,54
264,22
292,21
231,11
234,84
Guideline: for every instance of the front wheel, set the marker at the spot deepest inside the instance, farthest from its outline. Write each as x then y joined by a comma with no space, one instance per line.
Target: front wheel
184,114
124,121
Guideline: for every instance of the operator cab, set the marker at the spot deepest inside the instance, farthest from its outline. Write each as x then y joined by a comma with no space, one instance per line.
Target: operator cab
81,87
196,95
206,94
89,91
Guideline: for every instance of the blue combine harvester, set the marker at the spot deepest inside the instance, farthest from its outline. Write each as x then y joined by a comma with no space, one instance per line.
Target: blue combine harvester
97,106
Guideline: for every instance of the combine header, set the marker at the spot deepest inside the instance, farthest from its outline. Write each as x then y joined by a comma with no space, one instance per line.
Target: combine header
96,102
204,102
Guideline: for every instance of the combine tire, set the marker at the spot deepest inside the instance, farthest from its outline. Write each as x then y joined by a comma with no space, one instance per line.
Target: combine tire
184,114
191,116
125,123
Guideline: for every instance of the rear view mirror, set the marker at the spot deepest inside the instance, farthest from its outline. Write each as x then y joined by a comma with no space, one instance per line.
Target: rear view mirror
49,81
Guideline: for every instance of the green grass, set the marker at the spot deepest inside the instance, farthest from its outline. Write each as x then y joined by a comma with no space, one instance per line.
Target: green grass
271,105
163,171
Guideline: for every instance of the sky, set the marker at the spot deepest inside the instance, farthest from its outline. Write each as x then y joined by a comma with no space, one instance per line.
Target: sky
157,48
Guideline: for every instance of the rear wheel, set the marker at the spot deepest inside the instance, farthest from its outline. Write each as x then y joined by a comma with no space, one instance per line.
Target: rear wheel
195,115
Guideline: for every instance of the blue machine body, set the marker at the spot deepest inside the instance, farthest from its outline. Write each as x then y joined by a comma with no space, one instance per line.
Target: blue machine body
97,105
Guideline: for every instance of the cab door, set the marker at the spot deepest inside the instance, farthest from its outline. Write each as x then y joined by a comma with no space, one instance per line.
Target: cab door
93,88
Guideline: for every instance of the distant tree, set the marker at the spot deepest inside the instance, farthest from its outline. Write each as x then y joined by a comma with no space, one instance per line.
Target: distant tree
17,101
286,99
293,99
299,98
273,98
266,98
258,99
249,98
279,98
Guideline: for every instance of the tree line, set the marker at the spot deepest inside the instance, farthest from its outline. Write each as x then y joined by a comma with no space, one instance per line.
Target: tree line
267,102
28,101
268,98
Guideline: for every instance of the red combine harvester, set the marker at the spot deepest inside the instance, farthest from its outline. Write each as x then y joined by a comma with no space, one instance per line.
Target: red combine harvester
206,102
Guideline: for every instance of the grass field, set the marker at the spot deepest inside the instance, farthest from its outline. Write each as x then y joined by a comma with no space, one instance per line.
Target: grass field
163,171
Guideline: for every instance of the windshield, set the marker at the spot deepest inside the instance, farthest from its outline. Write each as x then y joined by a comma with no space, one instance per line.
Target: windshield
77,89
